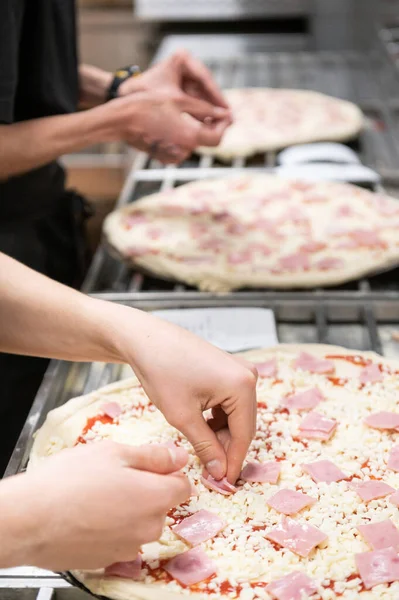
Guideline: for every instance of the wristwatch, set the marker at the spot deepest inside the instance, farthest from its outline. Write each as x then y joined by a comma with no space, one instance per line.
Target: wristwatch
119,77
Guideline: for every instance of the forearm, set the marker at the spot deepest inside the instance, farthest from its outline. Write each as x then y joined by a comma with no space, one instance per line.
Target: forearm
30,144
17,527
94,84
39,317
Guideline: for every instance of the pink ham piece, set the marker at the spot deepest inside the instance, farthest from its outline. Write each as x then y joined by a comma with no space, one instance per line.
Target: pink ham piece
366,238
380,566
300,538
303,400
372,490
222,487
394,499
236,228
317,426
289,502
345,211
128,570
154,233
370,374
312,246
380,535
383,420
294,586
393,459
325,264
310,363
199,527
267,368
298,261
212,244
190,567
267,472
138,251
135,219
324,471
238,258
295,214
111,409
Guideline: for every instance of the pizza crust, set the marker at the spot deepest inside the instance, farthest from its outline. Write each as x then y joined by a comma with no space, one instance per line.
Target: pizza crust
178,255
66,423
309,111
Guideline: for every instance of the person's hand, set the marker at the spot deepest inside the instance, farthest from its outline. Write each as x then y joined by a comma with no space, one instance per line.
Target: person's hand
185,376
180,73
93,505
169,127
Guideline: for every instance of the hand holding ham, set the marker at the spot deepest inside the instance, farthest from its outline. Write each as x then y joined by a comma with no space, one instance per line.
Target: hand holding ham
185,376
90,506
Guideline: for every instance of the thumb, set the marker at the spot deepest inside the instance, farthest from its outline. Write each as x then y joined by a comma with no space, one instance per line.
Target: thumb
206,445
155,458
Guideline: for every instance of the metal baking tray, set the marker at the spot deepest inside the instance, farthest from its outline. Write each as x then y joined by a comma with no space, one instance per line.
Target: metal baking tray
363,324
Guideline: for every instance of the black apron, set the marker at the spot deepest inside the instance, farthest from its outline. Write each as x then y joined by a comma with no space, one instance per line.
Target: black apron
41,224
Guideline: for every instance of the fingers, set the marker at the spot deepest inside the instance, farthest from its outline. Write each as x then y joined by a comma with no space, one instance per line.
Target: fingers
156,459
242,427
179,490
200,109
206,445
197,71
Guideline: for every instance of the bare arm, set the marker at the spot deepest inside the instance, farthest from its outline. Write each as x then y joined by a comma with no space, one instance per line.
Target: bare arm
93,83
43,318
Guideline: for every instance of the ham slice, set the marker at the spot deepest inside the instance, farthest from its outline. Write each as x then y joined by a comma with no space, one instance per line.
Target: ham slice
298,261
267,368
380,566
370,374
383,420
325,264
393,459
324,471
394,499
312,246
294,586
289,502
267,472
190,567
380,535
199,527
300,538
222,487
307,362
303,400
366,238
317,426
238,258
128,570
135,219
111,409
372,490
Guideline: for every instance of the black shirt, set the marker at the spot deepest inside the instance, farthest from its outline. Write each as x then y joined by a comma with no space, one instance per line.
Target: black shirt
38,78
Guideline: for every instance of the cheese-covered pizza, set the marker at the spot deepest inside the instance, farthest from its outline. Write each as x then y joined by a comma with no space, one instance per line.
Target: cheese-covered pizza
315,511
258,231
271,119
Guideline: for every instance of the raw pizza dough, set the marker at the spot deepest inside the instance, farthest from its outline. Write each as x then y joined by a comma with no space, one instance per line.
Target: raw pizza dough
271,119
258,231
241,552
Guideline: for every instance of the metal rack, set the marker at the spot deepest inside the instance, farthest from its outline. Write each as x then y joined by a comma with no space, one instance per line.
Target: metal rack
366,325
365,80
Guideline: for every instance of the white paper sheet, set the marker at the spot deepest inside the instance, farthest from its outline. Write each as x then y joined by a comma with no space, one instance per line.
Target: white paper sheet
232,329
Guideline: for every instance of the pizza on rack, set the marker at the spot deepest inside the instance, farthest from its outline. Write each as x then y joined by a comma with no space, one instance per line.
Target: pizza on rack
258,231
315,511
271,119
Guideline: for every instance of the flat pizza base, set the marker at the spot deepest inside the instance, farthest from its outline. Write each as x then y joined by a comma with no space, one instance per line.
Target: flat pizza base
173,256
64,424
248,135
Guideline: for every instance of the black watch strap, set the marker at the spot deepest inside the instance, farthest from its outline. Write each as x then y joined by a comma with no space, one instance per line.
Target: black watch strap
119,77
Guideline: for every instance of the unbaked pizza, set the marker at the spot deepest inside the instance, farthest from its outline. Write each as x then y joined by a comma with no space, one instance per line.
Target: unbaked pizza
258,231
271,119
315,511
